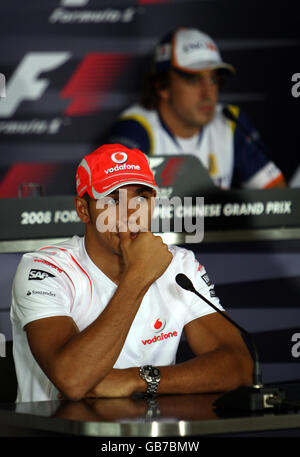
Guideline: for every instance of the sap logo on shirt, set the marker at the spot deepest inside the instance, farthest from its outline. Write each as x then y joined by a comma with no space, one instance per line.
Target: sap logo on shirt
39,275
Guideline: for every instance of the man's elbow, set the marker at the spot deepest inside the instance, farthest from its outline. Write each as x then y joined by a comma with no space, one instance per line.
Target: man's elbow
70,386
245,369
238,368
70,390
248,372
73,393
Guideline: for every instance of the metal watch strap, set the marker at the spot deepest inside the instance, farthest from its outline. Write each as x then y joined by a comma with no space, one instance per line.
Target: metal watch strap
151,375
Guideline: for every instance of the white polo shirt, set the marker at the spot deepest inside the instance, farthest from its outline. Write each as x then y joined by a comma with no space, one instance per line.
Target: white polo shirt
62,280
222,147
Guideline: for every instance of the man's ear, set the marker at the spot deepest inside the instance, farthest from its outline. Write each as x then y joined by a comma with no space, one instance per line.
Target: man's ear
82,209
162,85
162,92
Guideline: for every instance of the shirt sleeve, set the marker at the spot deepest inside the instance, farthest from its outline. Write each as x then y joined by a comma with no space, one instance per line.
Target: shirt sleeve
252,166
205,287
131,133
39,291
196,307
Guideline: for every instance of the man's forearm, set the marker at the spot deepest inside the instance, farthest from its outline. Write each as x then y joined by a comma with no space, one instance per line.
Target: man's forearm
217,371
90,355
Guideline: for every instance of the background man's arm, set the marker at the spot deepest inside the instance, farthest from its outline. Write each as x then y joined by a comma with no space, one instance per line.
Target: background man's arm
253,167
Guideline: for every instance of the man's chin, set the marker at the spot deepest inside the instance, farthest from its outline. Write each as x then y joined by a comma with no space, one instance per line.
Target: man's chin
206,118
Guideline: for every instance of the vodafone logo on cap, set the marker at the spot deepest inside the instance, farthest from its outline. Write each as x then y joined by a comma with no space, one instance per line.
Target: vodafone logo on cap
158,324
119,157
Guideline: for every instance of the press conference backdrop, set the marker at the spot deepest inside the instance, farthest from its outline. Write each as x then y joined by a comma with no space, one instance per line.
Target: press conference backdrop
72,65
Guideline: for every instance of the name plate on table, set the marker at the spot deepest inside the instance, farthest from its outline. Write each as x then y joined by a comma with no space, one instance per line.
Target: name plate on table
186,192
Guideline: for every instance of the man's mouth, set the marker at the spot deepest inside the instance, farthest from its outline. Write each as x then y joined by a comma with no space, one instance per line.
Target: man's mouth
133,235
207,108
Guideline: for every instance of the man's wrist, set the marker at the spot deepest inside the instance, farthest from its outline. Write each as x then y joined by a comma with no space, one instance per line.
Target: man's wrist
139,284
151,375
140,383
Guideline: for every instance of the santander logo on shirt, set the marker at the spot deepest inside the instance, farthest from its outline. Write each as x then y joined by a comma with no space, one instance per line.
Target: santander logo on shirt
158,324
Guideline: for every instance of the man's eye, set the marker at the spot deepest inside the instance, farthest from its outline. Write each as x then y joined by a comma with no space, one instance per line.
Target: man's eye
110,201
191,80
141,199
214,80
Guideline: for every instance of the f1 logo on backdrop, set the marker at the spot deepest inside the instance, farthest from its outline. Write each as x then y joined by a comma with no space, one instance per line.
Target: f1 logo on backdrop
85,88
25,83
91,82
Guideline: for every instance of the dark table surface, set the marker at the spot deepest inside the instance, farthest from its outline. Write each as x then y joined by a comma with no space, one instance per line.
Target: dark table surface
170,415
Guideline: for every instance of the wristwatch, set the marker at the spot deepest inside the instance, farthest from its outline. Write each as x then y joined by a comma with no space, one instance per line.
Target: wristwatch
151,375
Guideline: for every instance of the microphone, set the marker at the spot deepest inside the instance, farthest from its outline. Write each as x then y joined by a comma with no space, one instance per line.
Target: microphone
248,398
253,137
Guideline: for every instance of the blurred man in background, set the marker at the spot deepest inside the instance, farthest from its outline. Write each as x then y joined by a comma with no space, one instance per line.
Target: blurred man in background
179,113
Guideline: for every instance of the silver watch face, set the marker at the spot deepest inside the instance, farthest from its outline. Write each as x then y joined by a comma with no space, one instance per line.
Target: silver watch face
150,373
147,370
155,372
152,377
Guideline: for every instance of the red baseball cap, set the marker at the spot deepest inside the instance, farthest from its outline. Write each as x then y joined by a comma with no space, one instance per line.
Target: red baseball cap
111,166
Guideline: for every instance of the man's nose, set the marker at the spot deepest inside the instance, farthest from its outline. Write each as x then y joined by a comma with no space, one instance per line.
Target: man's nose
207,86
125,210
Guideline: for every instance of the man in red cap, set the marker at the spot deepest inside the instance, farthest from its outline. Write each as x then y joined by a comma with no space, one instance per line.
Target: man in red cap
103,315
